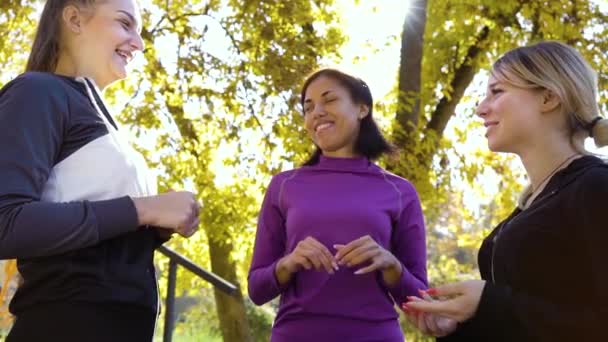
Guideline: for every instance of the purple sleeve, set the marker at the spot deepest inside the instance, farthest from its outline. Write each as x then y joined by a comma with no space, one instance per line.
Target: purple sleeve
269,248
34,112
409,246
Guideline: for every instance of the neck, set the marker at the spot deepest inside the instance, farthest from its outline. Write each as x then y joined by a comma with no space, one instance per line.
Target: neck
342,153
66,66
543,160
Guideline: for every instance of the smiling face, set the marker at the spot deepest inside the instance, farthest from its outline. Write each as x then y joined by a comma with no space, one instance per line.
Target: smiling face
512,116
331,117
107,40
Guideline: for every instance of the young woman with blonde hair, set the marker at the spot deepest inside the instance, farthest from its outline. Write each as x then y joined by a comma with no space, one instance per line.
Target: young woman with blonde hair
544,267
78,208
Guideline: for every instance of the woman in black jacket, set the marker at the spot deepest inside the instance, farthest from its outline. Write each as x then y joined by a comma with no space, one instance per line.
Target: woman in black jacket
78,208
544,267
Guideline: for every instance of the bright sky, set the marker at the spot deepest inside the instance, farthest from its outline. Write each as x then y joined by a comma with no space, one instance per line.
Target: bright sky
373,51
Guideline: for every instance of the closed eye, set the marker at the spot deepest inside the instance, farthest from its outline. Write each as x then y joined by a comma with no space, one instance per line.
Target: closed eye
495,91
125,24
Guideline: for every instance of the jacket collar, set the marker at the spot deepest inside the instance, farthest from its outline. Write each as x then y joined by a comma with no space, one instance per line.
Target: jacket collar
573,171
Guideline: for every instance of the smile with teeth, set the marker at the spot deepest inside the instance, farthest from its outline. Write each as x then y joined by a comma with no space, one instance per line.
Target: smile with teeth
126,56
323,126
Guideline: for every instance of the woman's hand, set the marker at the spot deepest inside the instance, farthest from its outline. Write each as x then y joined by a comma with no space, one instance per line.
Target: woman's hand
174,210
461,303
367,250
429,324
309,254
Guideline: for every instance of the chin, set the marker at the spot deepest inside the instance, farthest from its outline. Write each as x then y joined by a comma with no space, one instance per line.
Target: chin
118,74
495,146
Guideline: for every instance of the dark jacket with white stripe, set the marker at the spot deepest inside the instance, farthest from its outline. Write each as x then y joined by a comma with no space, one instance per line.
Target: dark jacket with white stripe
66,212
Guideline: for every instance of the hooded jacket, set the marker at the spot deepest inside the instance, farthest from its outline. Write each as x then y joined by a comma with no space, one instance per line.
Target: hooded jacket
545,266
66,212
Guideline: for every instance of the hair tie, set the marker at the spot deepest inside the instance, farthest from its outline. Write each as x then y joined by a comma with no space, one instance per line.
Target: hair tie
589,126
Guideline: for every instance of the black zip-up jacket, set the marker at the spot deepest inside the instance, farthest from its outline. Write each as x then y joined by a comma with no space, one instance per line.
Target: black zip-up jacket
84,250
546,267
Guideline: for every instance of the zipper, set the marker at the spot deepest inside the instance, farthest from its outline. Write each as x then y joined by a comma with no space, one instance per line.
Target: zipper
494,245
496,237
113,133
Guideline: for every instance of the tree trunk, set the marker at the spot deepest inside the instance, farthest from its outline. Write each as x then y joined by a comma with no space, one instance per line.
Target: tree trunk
410,67
230,309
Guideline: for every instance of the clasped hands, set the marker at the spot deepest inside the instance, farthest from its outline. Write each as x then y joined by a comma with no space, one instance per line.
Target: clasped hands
172,212
311,254
438,311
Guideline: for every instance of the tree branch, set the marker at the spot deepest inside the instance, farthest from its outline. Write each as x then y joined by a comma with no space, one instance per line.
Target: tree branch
462,78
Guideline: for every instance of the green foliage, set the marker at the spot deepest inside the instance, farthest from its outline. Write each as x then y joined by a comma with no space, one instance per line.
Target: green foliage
446,167
260,321
214,108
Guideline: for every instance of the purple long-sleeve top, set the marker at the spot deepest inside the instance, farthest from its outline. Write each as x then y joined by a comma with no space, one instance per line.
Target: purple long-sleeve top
337,201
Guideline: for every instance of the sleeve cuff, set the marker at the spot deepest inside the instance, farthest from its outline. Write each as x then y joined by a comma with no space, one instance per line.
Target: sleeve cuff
115,217
277,286
404,286
493,304
490,316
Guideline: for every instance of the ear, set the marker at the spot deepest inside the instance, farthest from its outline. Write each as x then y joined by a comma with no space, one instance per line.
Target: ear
363,111
550,101
72,18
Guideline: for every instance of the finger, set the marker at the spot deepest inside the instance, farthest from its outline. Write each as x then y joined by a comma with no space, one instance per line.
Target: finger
432,324
190,231
371,268
325,256
195,208
195,223
360,255
349,247
414,299
422,323
425,295
310,255
406,305
447,290
448,308
314,255
303,262
349,251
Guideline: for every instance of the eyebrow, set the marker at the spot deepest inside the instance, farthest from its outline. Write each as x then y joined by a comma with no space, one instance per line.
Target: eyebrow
325,93
131,17
493,84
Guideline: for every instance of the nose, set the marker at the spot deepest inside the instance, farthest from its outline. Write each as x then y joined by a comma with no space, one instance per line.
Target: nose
482,108
318,110
137,42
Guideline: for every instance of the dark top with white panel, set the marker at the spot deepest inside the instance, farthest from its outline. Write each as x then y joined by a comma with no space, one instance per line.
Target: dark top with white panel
66,212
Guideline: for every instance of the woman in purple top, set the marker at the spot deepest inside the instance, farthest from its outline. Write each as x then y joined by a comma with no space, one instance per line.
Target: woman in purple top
339,239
